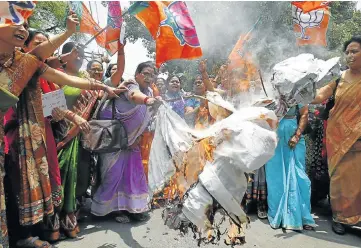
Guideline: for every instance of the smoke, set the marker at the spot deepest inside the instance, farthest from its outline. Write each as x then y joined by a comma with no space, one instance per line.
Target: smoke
220,24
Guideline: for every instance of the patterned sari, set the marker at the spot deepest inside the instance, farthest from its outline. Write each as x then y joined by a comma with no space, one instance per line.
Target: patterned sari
344,153
35,190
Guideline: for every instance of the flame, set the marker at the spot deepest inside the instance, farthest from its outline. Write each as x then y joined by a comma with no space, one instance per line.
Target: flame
236,235
187,172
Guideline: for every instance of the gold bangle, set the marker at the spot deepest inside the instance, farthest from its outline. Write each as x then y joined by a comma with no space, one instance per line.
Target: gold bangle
43,68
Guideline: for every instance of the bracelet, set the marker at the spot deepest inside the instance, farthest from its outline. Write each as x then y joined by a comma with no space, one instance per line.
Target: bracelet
145,100
43,68
93,85
120,53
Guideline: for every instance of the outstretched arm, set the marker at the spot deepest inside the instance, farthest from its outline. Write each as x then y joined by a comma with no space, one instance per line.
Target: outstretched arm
62,78
324,93
46,49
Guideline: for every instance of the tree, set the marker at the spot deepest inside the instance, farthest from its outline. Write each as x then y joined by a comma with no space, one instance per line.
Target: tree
51,17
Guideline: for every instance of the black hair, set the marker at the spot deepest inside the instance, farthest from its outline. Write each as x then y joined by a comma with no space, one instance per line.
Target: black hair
108,73
91,62
164,81
143,65
32,34
353,39
198,75
67,47
170,78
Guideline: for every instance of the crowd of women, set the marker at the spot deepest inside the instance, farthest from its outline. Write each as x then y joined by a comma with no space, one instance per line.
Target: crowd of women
48,172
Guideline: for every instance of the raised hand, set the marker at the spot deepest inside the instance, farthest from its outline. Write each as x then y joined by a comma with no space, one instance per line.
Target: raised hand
71,22
203,66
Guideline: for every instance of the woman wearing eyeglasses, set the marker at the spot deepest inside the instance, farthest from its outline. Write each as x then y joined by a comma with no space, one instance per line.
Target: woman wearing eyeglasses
123,190
95,69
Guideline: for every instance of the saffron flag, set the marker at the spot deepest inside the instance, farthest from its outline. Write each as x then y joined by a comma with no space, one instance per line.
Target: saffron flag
310,26
238,57
113,31
15,12
87,23
308,6
171,27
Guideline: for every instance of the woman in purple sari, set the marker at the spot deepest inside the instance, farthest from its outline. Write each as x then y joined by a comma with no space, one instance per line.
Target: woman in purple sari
124,188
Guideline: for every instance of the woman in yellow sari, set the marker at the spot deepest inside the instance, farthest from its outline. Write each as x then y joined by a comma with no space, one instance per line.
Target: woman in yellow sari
343,140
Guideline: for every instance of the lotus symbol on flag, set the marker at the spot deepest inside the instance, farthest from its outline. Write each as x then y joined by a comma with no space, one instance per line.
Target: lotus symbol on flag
179,20
311,19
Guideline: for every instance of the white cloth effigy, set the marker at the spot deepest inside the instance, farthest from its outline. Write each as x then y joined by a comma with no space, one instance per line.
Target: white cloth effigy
297,78
245,141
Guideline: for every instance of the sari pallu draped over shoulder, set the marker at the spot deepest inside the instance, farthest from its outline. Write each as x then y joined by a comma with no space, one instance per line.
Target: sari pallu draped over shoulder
72,158
81,102
34,201
344,153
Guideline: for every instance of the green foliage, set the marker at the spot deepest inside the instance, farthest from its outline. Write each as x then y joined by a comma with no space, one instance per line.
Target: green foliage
49,16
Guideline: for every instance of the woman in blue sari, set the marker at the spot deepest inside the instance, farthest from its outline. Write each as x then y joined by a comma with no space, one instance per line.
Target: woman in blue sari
289,189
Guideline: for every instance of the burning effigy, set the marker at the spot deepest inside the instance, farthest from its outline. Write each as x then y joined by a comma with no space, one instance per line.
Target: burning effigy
202,173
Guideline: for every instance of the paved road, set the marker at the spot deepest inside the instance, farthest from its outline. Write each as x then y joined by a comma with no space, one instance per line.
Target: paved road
106,233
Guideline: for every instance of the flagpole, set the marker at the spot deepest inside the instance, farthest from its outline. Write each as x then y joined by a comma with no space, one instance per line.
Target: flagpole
101,31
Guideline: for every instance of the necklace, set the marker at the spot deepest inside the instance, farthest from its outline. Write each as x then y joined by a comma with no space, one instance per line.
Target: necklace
8,63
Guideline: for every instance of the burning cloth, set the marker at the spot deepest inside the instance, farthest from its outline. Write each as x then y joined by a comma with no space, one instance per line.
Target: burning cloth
204,170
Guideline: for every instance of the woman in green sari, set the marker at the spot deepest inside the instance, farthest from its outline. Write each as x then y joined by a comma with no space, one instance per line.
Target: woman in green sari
74,161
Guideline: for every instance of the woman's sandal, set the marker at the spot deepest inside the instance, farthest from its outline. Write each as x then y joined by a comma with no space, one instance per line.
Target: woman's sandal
338,228
51,229
30,243
122,218
139,217
308,228
262,214
70,229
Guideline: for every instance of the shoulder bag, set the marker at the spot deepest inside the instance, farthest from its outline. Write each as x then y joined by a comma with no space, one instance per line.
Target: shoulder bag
105,136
